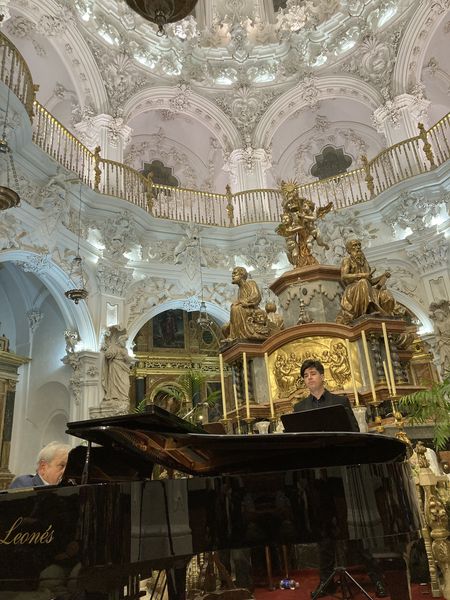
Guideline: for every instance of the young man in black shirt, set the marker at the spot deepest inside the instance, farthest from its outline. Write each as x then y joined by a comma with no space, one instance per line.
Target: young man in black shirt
312,372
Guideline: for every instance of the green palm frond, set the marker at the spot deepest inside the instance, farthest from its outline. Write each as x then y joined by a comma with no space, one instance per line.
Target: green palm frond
432,405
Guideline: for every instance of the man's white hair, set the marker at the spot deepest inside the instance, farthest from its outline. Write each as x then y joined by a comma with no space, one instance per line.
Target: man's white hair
48,452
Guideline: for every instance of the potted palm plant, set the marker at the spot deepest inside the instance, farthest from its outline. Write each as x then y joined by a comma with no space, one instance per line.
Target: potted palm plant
187,395
431,406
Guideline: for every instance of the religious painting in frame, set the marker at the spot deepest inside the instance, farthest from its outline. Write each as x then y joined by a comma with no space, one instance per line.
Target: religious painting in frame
168,329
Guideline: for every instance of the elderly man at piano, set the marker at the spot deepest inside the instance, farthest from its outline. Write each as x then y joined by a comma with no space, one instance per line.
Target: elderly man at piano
51,463
313,374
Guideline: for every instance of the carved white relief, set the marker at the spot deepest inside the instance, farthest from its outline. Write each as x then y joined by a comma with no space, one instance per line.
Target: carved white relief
11,232
157,147
336,228
39,264
52,199
148,292
403,280
119,236
245,106
262,252
34,318
112,279
429,254
412,210
188,251
121,77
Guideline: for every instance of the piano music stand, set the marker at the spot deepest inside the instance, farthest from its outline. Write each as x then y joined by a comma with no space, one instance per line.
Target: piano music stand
343,579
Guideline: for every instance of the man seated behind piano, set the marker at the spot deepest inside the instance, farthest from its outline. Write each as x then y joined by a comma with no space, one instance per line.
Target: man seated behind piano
51,463
313,374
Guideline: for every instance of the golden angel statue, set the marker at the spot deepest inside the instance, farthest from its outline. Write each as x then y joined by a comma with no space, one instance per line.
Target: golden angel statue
298,225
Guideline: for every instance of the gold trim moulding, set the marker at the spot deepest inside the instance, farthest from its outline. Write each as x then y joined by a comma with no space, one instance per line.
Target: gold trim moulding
9,358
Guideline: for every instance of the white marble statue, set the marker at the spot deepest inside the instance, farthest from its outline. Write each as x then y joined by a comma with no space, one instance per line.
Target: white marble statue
116,367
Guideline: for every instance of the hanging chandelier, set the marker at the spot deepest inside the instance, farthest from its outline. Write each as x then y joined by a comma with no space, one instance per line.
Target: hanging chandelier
162,12
203,320
8,197
76,273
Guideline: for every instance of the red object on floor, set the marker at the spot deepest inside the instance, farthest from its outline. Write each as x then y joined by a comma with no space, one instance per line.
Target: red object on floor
309,578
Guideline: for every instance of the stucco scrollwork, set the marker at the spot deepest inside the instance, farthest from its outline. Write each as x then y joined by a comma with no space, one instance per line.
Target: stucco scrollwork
413,211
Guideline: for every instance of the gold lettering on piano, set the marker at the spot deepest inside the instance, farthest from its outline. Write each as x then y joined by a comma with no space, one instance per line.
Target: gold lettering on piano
20,538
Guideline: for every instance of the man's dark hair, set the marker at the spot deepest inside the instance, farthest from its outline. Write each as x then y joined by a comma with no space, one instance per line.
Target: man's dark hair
311,364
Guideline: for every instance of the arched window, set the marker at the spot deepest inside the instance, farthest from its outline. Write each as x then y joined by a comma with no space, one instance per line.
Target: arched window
160,173
330,162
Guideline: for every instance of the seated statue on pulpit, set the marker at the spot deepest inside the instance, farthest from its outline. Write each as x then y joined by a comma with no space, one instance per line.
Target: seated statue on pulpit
364,294
247,320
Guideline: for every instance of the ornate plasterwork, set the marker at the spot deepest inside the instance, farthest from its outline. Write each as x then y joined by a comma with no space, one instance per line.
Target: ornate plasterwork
414,211
34,319
47,25
186,252
414,43
339,226
403,280
322,134
245,106
39,264
120,75
11,232
113,279
119,236
374,60
321,32
157,146
262,252
146,293
429,255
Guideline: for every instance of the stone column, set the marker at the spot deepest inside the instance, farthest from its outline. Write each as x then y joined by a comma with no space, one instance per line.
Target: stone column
84,384
248,167
106,131
9,364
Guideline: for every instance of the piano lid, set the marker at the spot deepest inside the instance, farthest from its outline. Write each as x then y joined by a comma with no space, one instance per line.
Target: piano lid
161,437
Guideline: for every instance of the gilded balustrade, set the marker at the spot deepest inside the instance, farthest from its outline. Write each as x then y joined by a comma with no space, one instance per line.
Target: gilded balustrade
406,159
14,72
61,145
181,204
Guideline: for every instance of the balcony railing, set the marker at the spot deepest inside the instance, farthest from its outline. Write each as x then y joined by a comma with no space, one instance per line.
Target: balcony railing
404,160
14,72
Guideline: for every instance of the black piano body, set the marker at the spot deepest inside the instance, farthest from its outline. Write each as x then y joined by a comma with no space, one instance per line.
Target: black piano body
245,491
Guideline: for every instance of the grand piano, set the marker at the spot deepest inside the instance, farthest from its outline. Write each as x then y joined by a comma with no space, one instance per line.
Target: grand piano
108,523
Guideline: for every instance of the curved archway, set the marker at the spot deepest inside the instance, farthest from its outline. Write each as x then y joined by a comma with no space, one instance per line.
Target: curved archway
201,109
316,89
76,56
412,305
220,315
415,41
56,280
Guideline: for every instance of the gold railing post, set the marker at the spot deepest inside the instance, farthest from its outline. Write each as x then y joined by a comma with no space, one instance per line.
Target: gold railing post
30,105
229,207
426,145
369,177
149,193
97,170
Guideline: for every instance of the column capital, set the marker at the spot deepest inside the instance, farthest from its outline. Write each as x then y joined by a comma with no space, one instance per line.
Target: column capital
107,131
398,117
248,166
